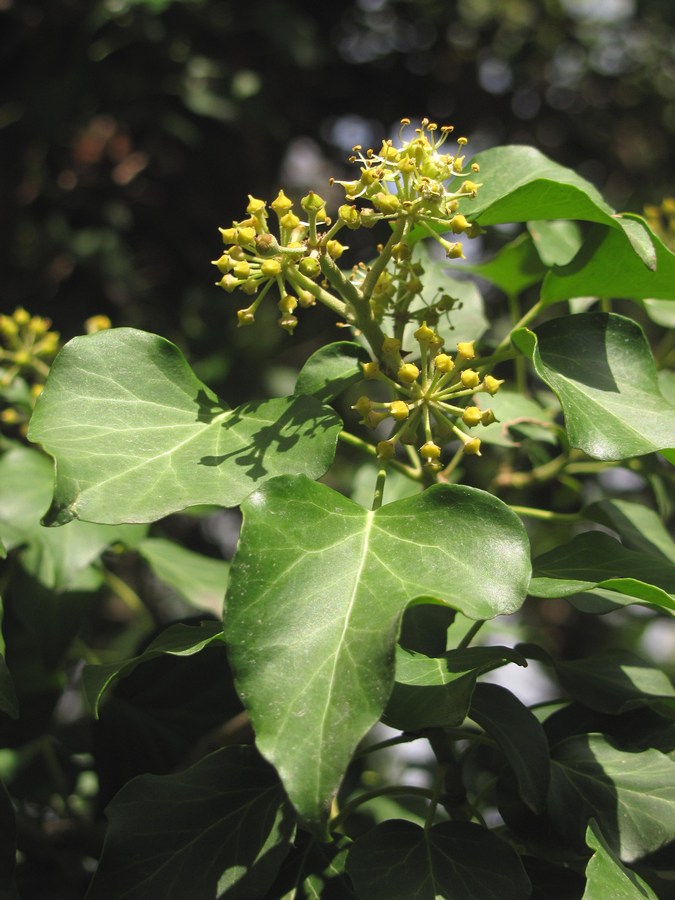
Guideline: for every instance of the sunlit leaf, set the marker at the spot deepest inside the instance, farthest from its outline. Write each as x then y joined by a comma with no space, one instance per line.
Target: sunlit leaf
606,267
399,860
520,184
632,795
606,876
601,368
434,692
137,436
595,560
317,589
218,829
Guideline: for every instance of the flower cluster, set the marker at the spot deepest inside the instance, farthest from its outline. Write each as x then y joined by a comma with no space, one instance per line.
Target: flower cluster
425,405
406,186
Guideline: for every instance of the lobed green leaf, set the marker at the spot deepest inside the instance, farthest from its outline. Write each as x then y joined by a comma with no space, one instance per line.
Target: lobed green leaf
317,590
136,435
601,368
606,876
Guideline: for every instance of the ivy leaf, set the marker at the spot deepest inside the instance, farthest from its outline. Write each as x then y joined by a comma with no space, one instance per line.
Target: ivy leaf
632,795
612,682
331,370
314,870
398,860
638,526
317,589
514,268
435,692
218,829
55,558
601,368
200,579
595,560
556,242
521,738
606,267
176,640
136,435
606,876
520,184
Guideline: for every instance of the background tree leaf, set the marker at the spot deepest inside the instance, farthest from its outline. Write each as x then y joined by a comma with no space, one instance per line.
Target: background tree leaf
519,736
218,829
632,795
601,368
317,589
606,876
136,435
435,692
606,267
594,559
556,242
331,370
398,860
515,267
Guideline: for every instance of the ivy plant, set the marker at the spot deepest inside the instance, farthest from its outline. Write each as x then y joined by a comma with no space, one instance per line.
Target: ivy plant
369,604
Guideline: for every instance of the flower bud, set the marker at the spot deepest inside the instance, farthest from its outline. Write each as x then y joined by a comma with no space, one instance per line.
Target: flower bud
459,224
312,202
309,266
270,268
469,378
363,405
281,204
97,323
492,385
390,345
266,245
488,417
401,252
466,349
469,187
386,203
472,447
335,249
386,449
350,216
425,335
370,370
287,304
21,316
408,373
241,269
229,235
306,299
245,317
454,250
444,363
245,234
472,416
289,220
288,323
398,409
369,217
430,451
255,206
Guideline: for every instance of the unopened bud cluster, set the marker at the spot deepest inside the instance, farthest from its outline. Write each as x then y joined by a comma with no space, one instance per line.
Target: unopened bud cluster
425,411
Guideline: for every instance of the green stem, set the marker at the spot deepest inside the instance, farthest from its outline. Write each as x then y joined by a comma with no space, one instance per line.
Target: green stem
347,438
339,281
532,313
380,263
519,362
435,796
298,280
471,634
379,486
404,738
546,515
387,790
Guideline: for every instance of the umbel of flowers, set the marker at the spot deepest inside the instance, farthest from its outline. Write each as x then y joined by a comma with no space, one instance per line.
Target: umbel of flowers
415,186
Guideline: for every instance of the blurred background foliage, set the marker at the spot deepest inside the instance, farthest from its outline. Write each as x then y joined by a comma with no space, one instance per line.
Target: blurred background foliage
131,129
